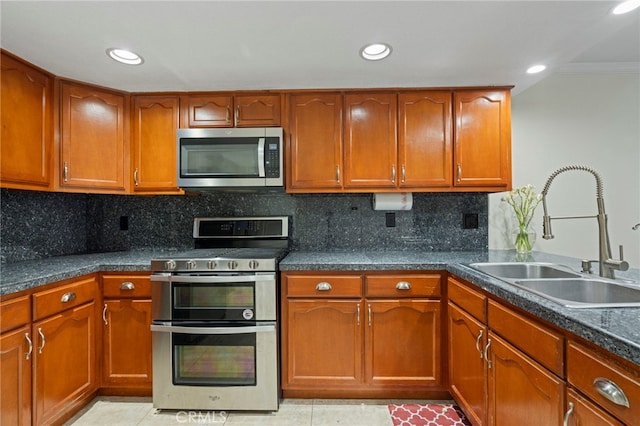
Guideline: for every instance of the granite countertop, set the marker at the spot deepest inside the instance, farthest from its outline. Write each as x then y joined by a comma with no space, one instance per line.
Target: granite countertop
617,330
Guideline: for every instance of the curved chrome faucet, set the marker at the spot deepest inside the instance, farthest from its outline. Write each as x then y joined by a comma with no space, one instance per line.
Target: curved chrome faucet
606,263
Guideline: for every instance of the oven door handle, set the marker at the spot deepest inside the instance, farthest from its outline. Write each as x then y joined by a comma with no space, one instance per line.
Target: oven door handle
268,328
211,278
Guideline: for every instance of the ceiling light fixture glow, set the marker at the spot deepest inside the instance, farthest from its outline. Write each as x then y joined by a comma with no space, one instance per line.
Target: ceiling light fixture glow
124,56
536,69
375,51
626,7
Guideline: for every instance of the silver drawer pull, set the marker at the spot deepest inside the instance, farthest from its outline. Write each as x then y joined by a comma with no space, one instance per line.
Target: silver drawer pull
611,391
567,415
127,285
42,341
403,285
486,353
323,286
478,343
30,343
68,297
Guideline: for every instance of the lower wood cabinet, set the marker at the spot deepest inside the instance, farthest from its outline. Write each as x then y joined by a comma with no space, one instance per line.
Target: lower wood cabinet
126,335
504,368
64,362
15,376
521,392
361,335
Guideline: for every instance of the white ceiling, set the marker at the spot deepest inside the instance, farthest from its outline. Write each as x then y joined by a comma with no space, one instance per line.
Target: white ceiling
237,45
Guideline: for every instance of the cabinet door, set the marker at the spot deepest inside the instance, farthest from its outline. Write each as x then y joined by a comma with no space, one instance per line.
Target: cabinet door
323,344
467,367
93,139
482,149
127,342
402,342
26,121
64,361
581,412
155,124
15,377
206,111
521,392
370,141
424,143
257,110
314,157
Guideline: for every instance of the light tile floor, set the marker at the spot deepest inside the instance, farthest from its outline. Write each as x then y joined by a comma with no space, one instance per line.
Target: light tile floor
130,411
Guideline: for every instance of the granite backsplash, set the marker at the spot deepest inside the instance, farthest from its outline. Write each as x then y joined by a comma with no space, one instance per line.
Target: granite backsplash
44,224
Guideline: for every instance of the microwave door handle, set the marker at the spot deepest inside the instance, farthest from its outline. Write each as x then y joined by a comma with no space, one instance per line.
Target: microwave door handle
213,330
261,172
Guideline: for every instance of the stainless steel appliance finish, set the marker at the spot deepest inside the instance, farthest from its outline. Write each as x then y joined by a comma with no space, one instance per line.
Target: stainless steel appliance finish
230,157
214,313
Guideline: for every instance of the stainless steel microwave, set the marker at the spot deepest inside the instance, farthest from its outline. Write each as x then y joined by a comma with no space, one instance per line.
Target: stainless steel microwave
230,157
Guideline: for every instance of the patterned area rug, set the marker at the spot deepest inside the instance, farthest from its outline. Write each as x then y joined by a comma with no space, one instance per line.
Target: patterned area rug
427,415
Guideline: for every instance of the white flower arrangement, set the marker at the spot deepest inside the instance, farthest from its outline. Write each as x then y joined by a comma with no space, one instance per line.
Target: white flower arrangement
524,201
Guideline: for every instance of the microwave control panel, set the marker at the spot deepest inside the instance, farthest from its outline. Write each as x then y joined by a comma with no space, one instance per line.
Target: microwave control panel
272,158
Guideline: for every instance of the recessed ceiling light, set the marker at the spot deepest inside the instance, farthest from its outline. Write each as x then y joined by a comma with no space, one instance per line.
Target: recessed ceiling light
124,56
536,69
375,51
626,6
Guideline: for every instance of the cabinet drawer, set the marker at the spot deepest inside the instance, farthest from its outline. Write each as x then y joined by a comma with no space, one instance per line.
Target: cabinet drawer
58,299
124,286
402,285
468,299
14,313
324,285
538,342
584,367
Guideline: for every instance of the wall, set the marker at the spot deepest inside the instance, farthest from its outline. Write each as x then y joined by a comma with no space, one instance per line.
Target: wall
319,222
586,119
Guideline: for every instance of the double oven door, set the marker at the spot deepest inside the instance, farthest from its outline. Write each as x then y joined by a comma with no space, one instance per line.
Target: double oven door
215,344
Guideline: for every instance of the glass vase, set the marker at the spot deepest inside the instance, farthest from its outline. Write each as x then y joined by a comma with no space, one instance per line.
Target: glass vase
524,239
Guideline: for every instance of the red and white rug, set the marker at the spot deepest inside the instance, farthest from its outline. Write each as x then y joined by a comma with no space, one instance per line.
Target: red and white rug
427,415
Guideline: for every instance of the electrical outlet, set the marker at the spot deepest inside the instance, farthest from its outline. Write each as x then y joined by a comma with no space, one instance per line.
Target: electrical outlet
470,221
124,223
390,219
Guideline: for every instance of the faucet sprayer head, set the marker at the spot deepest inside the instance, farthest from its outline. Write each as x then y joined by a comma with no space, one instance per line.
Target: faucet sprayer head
546,228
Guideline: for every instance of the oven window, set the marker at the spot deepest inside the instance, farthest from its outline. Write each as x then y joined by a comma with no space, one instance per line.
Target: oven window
198,296
214,360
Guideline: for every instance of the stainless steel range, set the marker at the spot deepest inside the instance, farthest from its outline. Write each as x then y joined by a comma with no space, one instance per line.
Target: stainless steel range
214,317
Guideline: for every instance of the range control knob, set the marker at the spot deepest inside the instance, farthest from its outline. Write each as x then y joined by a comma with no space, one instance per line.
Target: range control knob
191,264
253,264
232,264
212,264
170,264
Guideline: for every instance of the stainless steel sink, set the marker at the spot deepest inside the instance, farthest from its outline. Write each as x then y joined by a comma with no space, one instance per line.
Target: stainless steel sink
563,285
584,292
525,270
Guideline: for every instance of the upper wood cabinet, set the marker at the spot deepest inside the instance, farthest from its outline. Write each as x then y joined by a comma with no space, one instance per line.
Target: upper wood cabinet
400,141
424,139
314,150
482,148
94,151
27,126
371,154
154,163
216,110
